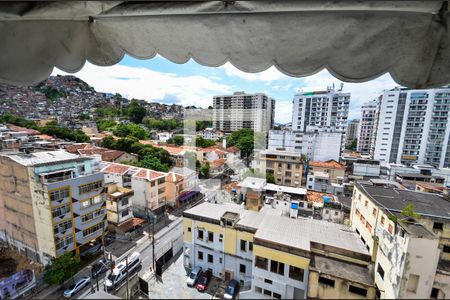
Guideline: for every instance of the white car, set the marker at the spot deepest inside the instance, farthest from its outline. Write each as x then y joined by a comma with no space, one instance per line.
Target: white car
77,286
194,276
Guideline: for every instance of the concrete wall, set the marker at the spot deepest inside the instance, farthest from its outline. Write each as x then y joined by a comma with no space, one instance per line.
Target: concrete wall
339,291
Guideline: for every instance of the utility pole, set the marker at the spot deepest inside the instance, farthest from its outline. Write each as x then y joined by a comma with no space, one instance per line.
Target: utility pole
153,245
126,263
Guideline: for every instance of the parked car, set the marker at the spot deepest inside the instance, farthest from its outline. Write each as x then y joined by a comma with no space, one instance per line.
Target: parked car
77,286
193,276
100,267
204,281
231,290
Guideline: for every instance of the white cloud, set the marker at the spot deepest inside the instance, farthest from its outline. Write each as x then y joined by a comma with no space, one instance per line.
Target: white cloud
283,111
271,74
143,83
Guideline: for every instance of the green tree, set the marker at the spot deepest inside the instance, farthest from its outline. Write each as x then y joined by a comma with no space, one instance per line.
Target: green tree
108,142
204,143
151,162
177,140
408,211
202,125
62,268
204,171
62,132
124,144
134,130
136,112
352,145
162,124
244,139
105,124
270,178
83,117
18,121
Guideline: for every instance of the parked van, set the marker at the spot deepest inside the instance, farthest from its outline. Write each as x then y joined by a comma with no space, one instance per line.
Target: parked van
119,273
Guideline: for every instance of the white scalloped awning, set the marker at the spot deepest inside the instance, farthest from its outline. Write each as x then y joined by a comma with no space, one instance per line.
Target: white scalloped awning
355,40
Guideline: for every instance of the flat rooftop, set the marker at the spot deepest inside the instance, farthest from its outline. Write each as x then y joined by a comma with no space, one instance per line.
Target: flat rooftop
280,153
44,157
253,183
395,200
271,226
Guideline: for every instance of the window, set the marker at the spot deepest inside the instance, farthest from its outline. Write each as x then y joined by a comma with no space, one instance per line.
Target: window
91,201
92,215
276,295
366,204
326,281
125,201
380,271
200,255
242,269
390,229
210,258
189,229
86,188
357,213
258,289
374,211
220,238
267,281
66,241
369,227
434,293
261,262
276,267
59,195
336,213
200,234
62,210
243,246
357,290
267,292
296,273
438,226
382,220
413,282
93,229
124,213
62,227
220,260
210,236
250,246
446,249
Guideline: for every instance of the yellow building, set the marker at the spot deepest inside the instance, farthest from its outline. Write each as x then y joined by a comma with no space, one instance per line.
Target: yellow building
273,256
286,167
411,254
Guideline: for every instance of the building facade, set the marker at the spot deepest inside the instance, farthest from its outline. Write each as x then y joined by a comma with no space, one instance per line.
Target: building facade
410,253
321,108
414,127
274,256
53,201
286,167
367,127
241,110
118,205
352,130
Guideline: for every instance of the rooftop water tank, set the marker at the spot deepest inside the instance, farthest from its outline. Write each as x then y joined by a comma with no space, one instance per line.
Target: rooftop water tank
326,199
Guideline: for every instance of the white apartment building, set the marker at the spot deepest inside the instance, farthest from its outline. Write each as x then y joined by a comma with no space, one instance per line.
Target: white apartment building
367,126
321,108
414,127
317,143
241,110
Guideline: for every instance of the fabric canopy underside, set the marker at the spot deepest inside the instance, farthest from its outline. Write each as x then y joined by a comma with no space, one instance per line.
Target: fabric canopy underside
355,40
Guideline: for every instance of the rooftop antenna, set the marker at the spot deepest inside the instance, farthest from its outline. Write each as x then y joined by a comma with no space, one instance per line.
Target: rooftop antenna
342,86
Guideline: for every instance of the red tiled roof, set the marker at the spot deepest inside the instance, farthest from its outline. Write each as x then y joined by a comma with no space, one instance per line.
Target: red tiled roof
116,169
312,196
27,130
130,224
332,164
233,149
75,147
174,177
107,154
217,163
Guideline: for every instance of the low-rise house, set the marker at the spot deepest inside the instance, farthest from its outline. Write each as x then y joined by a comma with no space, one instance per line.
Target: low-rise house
191,180
149,187
212,134
175,186
118,205
252,192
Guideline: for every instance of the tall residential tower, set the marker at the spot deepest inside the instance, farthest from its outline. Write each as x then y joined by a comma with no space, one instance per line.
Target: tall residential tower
367,127
241,110
414,127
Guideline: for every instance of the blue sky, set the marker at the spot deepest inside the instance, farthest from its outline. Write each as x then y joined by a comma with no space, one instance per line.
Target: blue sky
160,80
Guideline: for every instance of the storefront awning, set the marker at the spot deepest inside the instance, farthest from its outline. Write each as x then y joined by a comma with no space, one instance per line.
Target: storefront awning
355,40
